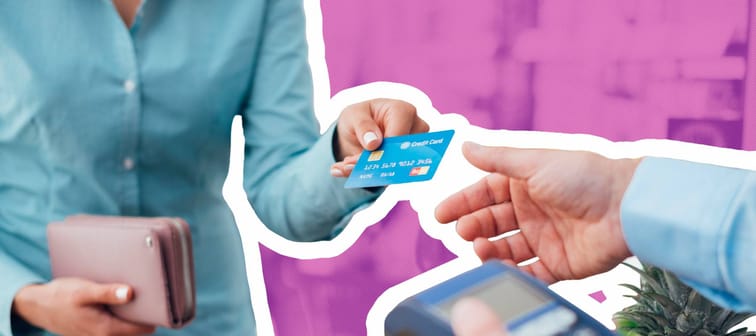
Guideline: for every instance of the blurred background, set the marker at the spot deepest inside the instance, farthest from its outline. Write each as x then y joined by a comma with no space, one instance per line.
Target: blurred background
620,69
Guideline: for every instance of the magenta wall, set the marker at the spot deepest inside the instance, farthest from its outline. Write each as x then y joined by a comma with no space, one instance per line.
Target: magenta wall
623,69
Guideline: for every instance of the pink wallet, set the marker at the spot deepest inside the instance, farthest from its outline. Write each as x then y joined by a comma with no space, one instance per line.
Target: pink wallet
153,255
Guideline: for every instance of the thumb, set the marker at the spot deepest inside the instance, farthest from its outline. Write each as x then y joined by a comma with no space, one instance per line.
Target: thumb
472,317
113,294
365,128
513,162
369,135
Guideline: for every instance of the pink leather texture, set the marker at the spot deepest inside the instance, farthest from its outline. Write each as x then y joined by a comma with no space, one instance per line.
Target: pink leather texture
153,255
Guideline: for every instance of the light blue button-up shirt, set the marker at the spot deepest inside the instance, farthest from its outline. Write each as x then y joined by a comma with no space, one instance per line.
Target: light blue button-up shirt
97,118
698,221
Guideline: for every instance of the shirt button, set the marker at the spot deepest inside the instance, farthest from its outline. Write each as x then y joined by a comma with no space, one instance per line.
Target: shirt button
128,163
129,85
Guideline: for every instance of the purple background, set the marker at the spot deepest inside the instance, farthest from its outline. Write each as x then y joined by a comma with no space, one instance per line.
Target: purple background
623,69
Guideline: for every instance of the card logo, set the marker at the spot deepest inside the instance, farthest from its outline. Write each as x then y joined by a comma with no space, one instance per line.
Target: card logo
405,145
418,171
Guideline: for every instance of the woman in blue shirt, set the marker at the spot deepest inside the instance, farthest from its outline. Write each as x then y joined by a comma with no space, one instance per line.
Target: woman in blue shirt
126,109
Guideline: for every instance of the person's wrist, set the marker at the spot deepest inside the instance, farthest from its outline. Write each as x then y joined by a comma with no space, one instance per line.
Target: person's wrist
336,145
623,172
24,302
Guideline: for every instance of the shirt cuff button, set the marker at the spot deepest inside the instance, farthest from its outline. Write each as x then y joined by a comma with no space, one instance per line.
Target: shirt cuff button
129,85
128,163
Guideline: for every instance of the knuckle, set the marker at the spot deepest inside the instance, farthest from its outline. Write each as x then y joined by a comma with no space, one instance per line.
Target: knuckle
404,107
411,109
365,124
355,109
351,108
77,294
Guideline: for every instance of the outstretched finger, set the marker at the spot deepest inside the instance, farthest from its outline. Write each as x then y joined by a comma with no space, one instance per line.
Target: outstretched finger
492,189
488,222
514,248
344,168
514,252
540,271
513,162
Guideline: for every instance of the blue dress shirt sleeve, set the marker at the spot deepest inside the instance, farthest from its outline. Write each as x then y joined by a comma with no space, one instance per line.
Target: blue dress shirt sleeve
13,277
287,164
698,221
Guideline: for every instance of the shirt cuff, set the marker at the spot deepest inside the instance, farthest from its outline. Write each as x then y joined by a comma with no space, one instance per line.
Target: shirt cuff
676,215
14,277
330,190
363,197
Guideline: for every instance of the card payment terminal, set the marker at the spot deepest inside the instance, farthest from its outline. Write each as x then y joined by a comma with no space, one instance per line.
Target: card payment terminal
525,305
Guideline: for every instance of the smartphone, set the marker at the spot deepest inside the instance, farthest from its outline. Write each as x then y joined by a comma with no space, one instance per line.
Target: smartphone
525,305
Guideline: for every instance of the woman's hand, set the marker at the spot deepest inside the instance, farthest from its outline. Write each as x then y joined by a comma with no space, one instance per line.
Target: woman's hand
364,125
69,306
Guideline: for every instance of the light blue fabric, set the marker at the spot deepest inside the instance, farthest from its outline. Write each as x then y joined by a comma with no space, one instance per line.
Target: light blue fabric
97,118
698,221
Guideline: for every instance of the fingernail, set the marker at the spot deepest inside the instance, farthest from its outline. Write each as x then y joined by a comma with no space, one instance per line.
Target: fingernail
369,137
349,167
122,293
336,173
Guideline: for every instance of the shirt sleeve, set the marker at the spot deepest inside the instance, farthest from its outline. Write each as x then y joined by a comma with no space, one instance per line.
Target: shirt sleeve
287,163
13,277
698,221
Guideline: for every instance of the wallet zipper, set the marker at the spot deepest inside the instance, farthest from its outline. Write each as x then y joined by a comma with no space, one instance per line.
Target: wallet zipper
186,267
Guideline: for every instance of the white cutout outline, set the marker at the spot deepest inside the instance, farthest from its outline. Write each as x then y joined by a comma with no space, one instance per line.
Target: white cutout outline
453,174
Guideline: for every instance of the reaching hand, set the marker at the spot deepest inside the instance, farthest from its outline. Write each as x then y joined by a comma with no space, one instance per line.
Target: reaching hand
565,204
69,307
364,125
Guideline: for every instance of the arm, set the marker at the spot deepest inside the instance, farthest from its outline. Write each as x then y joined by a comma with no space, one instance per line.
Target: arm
13,277
698,221
287,164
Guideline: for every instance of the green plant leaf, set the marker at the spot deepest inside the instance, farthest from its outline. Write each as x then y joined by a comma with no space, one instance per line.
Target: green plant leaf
717,320
666,303
735,319
622,323
666,306
650,281
690,321
635,289
644,320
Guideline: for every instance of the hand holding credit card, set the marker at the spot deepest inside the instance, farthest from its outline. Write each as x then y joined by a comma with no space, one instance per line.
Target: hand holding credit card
401,159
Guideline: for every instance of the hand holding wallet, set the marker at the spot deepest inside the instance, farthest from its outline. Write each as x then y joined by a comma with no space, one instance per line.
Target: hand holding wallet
152,255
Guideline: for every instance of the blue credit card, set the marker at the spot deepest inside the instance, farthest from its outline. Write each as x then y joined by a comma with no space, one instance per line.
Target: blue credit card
402,159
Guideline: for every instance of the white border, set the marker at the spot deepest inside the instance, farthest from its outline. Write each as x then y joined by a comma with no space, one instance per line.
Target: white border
453,174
